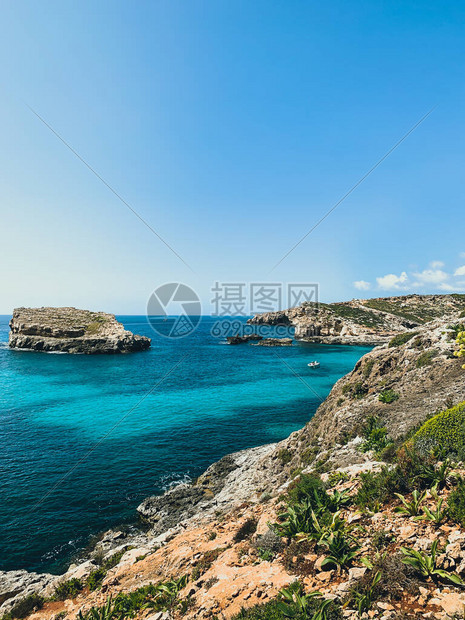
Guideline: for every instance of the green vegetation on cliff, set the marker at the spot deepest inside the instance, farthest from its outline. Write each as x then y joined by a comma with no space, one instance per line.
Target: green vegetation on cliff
401,339
444,433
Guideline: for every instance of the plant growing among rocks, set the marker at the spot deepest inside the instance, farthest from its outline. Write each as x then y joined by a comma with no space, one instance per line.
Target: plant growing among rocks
426,565
388,396
461,342
413,507
342,549
437,514
67,589
375,434
246,530
365,597
456,503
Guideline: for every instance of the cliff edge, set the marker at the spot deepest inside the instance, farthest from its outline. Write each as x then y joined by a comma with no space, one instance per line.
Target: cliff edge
362,321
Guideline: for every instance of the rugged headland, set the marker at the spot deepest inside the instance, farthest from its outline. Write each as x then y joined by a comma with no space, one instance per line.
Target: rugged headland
69,330
361,321
360,514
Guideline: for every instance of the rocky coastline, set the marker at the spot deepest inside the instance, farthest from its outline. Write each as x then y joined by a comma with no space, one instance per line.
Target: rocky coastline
360,321
411,376
69,330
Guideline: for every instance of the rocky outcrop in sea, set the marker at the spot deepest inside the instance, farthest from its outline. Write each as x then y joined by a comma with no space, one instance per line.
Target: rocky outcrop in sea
69,330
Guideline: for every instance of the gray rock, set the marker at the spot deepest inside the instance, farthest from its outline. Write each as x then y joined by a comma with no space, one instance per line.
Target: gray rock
68,330
243,339
228,482
17,584
275,342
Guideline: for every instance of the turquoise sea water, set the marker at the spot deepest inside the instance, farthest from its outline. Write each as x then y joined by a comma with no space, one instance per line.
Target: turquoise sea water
92,420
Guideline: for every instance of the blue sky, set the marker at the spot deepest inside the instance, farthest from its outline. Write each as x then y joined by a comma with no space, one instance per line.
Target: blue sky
231,127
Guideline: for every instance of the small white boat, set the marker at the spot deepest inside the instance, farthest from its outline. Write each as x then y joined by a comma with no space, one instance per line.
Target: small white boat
314,364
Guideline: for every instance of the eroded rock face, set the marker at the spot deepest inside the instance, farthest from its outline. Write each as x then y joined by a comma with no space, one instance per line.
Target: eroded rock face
17,584
69,330
226,483
361,321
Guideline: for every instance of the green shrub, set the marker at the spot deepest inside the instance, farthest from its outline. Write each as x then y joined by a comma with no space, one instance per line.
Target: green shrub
269,543
388,396
426,358
113,560
388,454
355,390
337,476
292,602
376,435
104,612
159,597
367,368
455,330
308,456
95,579
461,342
67,589
444,433
285,456
246,530
268,611
305,487
342,549
308,503
456,504
401,339
378,487
25,606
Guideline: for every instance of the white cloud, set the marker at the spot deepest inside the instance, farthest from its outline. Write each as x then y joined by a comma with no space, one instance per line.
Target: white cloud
445,286
458,287
431,276
362,285
462,254
391,281
434,277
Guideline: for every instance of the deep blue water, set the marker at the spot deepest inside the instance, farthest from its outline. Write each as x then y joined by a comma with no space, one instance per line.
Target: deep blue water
55,408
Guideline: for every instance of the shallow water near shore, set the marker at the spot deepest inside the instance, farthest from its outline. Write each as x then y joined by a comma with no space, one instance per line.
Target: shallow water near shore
83,439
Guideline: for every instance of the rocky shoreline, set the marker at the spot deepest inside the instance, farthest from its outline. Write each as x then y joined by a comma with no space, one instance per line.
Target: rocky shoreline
69,330
414,367
360,321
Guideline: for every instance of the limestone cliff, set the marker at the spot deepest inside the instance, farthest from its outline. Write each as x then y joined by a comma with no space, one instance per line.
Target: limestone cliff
69,330
362,321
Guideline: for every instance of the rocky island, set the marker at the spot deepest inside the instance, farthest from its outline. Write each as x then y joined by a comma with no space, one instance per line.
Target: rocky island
360,514
69,330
